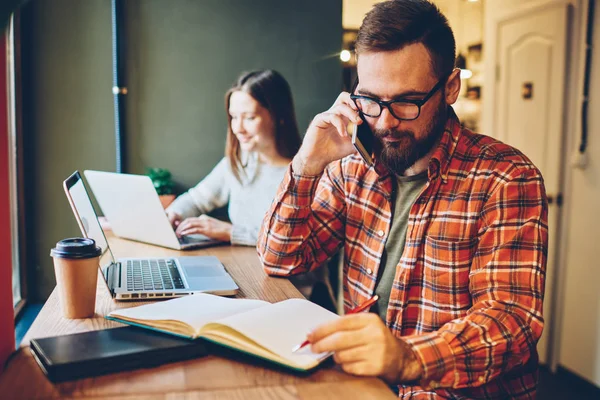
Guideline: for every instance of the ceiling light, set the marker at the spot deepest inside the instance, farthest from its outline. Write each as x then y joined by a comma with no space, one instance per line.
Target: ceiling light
345,55
465,73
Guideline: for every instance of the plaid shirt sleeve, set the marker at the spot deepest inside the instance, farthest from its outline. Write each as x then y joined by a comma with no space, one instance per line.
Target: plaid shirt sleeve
501,330
305,224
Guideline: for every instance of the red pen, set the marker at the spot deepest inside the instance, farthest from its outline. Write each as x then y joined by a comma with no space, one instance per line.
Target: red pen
367,304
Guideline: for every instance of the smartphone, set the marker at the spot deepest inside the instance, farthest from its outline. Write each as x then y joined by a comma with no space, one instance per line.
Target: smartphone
363,140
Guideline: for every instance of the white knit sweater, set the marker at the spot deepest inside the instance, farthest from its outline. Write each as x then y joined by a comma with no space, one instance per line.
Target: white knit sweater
248,201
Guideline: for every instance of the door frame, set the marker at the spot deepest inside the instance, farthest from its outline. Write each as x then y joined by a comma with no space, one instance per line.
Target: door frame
576,11
575,80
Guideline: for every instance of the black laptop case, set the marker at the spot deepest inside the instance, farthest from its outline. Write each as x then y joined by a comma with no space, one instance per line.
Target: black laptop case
95,353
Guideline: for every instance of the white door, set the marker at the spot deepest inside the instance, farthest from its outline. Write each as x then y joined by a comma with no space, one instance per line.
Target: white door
529,109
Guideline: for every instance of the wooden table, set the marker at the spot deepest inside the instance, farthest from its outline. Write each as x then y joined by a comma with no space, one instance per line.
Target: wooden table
210,377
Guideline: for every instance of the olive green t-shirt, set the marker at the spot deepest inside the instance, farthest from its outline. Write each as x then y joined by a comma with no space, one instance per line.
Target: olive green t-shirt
406,190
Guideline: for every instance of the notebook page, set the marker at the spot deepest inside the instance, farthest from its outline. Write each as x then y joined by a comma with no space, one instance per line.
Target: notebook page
195,310
281,326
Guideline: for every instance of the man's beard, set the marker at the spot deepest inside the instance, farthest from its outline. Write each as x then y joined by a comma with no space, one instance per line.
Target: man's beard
403,154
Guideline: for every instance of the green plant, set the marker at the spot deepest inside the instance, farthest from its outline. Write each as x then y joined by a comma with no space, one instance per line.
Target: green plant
161,178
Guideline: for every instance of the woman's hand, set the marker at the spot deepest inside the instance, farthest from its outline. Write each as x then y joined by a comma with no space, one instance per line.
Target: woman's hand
207,226
174,219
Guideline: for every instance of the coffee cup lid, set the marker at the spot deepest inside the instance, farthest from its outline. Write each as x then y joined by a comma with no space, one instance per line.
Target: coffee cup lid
76,248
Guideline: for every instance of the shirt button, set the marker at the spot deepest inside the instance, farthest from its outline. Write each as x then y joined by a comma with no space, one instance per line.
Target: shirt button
381,233
369,271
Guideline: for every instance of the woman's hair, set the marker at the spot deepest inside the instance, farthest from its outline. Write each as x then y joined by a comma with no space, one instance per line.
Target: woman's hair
272,91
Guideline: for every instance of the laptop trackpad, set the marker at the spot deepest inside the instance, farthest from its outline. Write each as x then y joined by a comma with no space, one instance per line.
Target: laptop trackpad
206,273
202,271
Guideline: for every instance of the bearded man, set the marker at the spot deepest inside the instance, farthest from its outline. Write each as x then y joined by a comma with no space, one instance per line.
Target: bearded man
447,227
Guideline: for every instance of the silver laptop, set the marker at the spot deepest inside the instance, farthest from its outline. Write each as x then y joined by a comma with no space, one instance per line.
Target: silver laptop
133,209
147,278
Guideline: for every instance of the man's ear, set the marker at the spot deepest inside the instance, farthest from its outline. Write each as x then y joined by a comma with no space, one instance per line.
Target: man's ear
453,87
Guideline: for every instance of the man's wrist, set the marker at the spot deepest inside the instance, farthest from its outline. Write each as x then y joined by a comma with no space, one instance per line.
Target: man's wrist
411,368
303,166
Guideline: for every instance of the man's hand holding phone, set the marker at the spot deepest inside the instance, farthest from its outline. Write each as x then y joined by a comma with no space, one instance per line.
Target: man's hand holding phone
327,138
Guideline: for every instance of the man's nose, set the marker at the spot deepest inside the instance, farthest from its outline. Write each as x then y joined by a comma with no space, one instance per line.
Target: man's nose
387,121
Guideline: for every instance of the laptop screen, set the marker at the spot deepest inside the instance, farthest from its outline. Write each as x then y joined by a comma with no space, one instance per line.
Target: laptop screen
87,218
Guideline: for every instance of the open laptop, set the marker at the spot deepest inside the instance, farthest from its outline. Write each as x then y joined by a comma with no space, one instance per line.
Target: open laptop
133,209
146,278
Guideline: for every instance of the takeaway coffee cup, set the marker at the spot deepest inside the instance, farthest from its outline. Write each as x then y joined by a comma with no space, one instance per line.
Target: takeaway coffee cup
76,269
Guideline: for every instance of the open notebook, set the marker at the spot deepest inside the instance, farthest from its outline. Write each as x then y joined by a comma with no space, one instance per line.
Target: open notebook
265,330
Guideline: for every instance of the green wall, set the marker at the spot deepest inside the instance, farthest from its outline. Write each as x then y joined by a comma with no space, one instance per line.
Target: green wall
67,118
182,57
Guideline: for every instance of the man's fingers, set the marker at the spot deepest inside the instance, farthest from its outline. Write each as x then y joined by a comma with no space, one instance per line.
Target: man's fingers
346,111
345,323
339,112
339,124
338,121
351,355
344,98
338,341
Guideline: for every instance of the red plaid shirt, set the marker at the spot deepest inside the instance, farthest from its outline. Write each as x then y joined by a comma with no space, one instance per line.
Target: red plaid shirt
468,289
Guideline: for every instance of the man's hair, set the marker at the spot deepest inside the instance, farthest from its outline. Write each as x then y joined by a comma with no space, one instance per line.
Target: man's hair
392,25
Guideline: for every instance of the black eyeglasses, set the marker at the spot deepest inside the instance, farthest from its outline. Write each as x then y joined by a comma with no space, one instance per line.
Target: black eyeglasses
405,109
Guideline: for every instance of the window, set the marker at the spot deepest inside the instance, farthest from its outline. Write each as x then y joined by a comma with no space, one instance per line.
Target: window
13,163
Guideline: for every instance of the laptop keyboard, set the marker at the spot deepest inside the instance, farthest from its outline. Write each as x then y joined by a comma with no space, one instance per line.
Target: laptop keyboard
155,274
